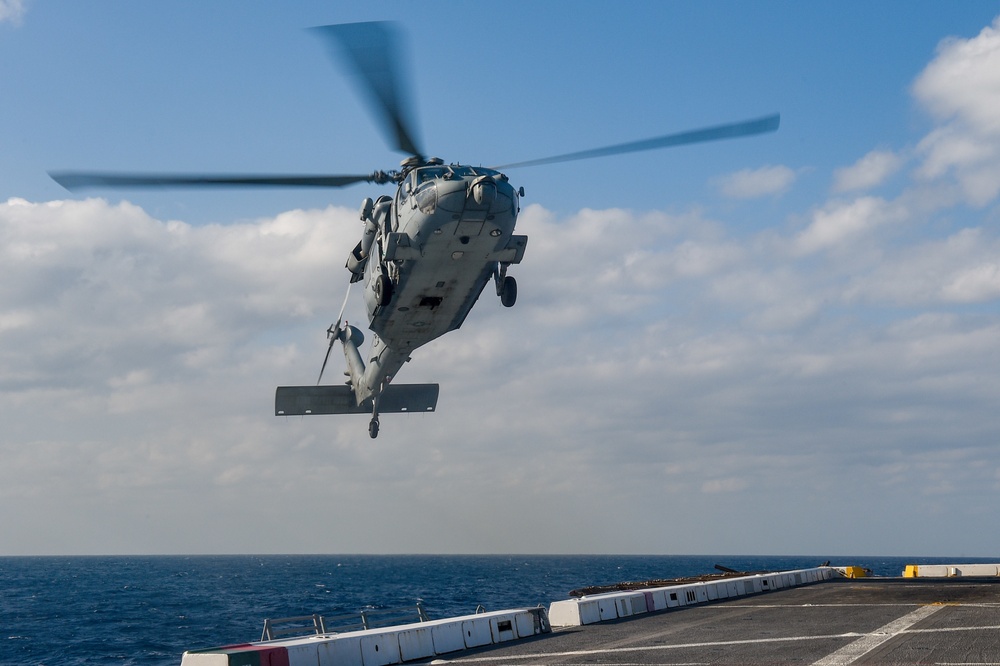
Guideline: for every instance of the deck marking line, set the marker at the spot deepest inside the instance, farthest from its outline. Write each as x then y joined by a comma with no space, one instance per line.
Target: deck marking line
964,604
880,634
939,630
851,652
643,648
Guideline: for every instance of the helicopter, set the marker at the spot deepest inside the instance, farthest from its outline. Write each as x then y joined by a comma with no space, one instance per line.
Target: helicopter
427,251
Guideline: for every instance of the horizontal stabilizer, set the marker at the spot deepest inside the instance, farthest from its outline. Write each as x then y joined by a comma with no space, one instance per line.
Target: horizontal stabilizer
303,400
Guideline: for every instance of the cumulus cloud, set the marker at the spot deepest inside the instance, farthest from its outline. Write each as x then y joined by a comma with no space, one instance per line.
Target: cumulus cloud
963,80
100,286
961,88
12,11
841,223
868,172
754,183
962,268
138,359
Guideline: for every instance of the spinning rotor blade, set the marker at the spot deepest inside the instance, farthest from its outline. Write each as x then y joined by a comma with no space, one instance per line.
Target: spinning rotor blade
74,180
370,51
331,333
730,131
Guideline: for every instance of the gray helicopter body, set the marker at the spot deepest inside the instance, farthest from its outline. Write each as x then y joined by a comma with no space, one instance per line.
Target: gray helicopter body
451,228
425,257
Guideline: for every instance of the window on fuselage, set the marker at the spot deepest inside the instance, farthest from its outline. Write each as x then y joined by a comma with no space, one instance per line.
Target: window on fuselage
430,173
463,171
405,189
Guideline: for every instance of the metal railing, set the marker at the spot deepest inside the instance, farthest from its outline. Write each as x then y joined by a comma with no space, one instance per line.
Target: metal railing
304,625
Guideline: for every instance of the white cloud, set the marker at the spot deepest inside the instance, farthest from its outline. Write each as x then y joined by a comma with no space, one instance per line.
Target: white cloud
109,310
961,268
961,88
868,172
975,284
963,81
753,183
138,360
841,223
12,11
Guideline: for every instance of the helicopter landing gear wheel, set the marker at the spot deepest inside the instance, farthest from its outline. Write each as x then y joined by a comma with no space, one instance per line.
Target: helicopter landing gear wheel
383,290
373,428
508,291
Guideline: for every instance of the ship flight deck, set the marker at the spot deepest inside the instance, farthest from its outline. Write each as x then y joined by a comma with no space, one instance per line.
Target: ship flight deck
810,616
837,622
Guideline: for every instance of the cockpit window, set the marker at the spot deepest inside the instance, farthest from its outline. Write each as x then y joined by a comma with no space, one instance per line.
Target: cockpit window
426,197
430,173
404,191
448,172
463,171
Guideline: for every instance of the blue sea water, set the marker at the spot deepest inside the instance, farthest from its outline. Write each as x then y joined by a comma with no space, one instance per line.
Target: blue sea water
148,610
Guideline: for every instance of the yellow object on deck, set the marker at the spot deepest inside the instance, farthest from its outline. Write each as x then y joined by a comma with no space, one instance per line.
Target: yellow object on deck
855,572
911,571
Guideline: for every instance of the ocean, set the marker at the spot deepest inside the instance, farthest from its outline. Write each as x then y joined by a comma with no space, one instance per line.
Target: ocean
149,610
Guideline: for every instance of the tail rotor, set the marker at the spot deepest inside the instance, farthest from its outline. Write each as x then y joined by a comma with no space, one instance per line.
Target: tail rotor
333,334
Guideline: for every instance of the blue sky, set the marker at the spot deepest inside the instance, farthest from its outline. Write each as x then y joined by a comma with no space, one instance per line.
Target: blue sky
775,345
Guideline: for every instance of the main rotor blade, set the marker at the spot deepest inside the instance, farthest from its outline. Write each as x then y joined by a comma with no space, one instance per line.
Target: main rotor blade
75,180
730,131
370,50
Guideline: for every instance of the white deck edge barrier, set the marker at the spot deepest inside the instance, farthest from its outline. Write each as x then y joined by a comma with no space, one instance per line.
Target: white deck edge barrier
383,646
950,570
615,605
386,646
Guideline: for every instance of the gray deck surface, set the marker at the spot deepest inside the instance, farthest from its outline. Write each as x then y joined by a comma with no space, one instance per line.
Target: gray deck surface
863,621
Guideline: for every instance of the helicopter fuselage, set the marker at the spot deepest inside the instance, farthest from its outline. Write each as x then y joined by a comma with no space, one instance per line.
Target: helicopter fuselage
436,245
